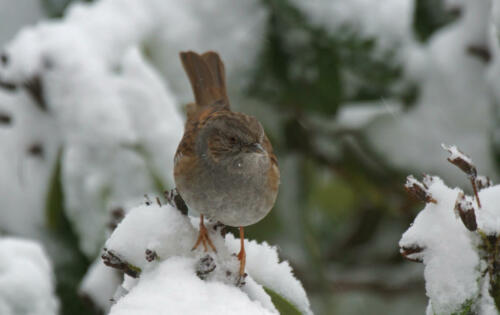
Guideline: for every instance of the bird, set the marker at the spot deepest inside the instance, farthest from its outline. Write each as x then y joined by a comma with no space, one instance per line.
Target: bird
224,166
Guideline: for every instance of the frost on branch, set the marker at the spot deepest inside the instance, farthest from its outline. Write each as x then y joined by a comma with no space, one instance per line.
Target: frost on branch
457,237
153,244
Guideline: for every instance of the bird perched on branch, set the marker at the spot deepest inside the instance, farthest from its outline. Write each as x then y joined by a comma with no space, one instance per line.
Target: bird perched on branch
225,168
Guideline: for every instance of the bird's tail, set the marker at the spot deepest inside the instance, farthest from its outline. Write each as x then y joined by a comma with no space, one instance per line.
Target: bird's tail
207,76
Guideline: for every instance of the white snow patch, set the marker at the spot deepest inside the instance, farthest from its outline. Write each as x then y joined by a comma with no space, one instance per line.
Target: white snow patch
171,235
359,115
161,229
488,217
455,265
174,288
450,256
26,279
454,104
388,21
100,283
264,265
104,99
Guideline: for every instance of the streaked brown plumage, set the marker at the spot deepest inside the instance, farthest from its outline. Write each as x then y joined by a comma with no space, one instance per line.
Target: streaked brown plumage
225,167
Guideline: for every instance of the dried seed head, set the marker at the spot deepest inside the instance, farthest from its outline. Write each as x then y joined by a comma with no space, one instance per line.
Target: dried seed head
147,201
4,58
113,260
205,266
412,253
151,255
7,86
5,119
418,190
483,182
36,149
34,86
117,215
480,51
464,207
460,160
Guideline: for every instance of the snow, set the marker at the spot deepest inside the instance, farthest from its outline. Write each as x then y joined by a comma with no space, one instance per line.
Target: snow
456,154
161,229
26,279
488,217
99,284
113,84
388,22
171,235
275,275
450,257
454,105
455,265
16,14
191,25
24,178
110,79
359,115
173,288
99,157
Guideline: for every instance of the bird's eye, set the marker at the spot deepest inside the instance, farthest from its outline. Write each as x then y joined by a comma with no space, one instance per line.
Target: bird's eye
233,140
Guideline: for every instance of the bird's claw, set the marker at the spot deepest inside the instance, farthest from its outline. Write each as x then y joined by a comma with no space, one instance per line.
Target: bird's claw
204,239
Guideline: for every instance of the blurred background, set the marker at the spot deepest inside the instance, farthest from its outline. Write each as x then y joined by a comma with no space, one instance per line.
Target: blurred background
354,95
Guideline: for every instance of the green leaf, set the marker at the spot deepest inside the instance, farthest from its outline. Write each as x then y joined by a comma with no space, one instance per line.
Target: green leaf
430,16
282,305
466,308
54,205
69,263
56,8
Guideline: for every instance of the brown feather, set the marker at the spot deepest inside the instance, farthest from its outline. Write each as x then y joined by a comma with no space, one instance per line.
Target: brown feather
207,77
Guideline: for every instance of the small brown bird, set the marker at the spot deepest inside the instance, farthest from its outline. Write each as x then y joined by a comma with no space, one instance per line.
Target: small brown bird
225,168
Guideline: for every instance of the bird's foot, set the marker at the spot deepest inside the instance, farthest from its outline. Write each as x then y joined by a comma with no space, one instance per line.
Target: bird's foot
204,239
242,257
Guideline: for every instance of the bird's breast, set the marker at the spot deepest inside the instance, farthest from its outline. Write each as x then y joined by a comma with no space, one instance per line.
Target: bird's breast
234,191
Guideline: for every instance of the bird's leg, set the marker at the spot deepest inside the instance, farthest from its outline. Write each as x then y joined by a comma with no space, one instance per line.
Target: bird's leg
242,256
203,237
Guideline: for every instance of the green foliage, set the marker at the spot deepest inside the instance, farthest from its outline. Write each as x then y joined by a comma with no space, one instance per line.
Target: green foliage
304,68
431,15
466,308
298,66
54,207
70,263
282,305
55,8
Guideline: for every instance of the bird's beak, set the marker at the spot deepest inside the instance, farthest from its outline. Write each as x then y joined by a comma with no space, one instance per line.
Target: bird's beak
257,148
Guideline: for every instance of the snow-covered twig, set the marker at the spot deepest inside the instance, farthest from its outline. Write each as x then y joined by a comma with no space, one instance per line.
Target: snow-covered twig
458,242
463,162
418,190
153,244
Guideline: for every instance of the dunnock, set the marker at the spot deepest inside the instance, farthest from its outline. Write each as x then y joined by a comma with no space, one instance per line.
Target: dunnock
225,168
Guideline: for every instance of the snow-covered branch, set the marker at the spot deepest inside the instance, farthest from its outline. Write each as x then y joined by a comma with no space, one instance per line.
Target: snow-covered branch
153,246
456,236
